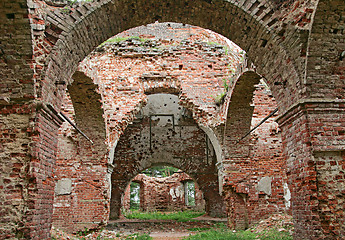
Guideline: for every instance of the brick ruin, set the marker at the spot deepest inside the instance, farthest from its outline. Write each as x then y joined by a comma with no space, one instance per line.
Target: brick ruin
50,174
165,194
159,112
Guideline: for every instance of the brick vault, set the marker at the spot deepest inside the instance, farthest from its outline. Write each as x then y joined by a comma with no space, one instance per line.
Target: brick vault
296,46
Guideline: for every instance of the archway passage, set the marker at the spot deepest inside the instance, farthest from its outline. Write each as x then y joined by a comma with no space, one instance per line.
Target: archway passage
288,24
125,71
163,201
80,193
253,169
228,18
163,188
165,133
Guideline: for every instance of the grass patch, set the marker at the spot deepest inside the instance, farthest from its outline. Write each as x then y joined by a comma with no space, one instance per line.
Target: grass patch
274,234
137,236
198,229
223,234
177,216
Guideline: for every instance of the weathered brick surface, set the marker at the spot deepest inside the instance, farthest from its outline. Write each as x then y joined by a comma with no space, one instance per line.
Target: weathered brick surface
14,167
297,46
257,159
88,20
82,163
164,194
310,131
176,141
325,65
331,192
16,132
16,53
129,70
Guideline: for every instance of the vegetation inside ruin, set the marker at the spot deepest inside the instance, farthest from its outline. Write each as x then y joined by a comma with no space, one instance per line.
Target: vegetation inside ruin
137,236
276,227
182,216
220,232
160,171
241,235
118,39
134,200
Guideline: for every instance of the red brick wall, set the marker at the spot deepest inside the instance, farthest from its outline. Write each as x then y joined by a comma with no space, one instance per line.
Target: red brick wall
256,162
145,143
124,74
164,194
82,164
295,45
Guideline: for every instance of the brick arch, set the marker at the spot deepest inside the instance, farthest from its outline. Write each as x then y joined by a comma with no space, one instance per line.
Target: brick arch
250,29
170,87
142,168
185,148
294,36
214,203
240,162
80,164
146,204
239,115
88,110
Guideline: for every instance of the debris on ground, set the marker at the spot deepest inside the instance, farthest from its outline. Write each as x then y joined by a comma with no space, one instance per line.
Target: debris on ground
279,222
131,228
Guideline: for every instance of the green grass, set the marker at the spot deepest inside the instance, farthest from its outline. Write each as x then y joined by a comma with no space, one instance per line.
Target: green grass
177,216
274,234
198,229
137,236
223,234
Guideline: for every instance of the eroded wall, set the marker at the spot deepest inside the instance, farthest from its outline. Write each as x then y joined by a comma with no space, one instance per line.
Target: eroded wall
190,73
164,193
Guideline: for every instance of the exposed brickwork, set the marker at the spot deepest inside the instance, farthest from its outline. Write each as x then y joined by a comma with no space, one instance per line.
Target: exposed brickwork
126,70
313,133
266,15
330,169
164,194
80,162
195,67
184,146
14,167
297,46
326,67
15,53
254,160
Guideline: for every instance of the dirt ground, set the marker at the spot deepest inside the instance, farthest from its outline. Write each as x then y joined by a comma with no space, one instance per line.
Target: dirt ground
169,229
164,229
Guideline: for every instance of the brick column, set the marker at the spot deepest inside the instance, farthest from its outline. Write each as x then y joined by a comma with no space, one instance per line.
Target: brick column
215,206
118,188
314,140
29,141
236,209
